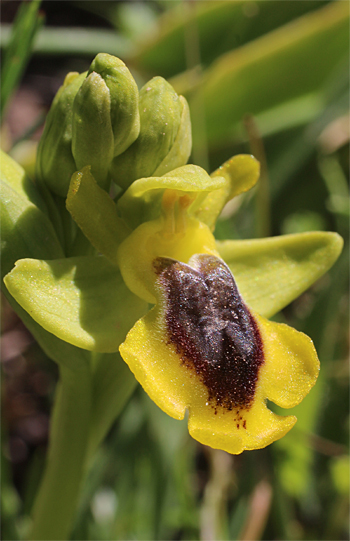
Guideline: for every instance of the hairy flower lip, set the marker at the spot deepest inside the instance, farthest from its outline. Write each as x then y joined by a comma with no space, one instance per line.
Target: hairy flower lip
289,370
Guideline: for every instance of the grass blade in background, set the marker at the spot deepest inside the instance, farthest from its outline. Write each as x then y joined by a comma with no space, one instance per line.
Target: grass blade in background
221,26
74,41
27,23
291,62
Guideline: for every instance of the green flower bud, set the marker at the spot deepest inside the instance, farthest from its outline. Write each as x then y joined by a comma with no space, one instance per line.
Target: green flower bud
105,116
165,124
92,134
124,96
55,162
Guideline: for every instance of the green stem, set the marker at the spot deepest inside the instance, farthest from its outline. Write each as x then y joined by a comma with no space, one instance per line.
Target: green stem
56,502
113,384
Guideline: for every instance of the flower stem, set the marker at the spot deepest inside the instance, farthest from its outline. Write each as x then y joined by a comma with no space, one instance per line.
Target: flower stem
55,505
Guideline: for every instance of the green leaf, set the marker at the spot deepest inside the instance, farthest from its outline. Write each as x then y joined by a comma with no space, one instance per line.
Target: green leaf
19,47
288,63
272,272
77,41
81,300
25,230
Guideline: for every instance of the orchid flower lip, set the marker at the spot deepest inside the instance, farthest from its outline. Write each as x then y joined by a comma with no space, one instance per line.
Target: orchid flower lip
201,349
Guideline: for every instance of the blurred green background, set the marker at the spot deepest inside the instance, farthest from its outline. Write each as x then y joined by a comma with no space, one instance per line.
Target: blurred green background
268,77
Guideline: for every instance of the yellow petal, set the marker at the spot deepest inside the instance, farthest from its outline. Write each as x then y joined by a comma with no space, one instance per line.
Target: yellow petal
241,173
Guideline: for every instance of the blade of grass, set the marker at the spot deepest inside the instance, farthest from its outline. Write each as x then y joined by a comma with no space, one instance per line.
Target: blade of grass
222,26
27,23
277,65
74,41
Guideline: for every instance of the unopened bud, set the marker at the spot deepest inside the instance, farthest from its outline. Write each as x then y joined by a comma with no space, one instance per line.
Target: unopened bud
55,162
161,114
92,135
105,116
124,95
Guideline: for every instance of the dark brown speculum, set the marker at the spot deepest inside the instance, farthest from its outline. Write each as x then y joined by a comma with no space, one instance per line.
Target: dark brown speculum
211,328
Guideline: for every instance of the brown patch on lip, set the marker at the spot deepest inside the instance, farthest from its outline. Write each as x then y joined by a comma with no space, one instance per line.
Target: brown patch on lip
212,329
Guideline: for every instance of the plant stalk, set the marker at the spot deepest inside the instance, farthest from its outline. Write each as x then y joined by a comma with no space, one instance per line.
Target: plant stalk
55,505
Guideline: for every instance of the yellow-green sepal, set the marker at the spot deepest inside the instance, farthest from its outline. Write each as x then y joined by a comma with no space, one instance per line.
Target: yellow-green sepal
15,176
143,199
81,300
26,230
272,272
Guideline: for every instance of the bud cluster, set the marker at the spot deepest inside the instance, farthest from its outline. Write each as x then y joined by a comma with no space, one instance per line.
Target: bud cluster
100,118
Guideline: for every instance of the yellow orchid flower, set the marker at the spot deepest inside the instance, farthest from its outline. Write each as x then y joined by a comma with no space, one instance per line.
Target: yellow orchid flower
201,348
